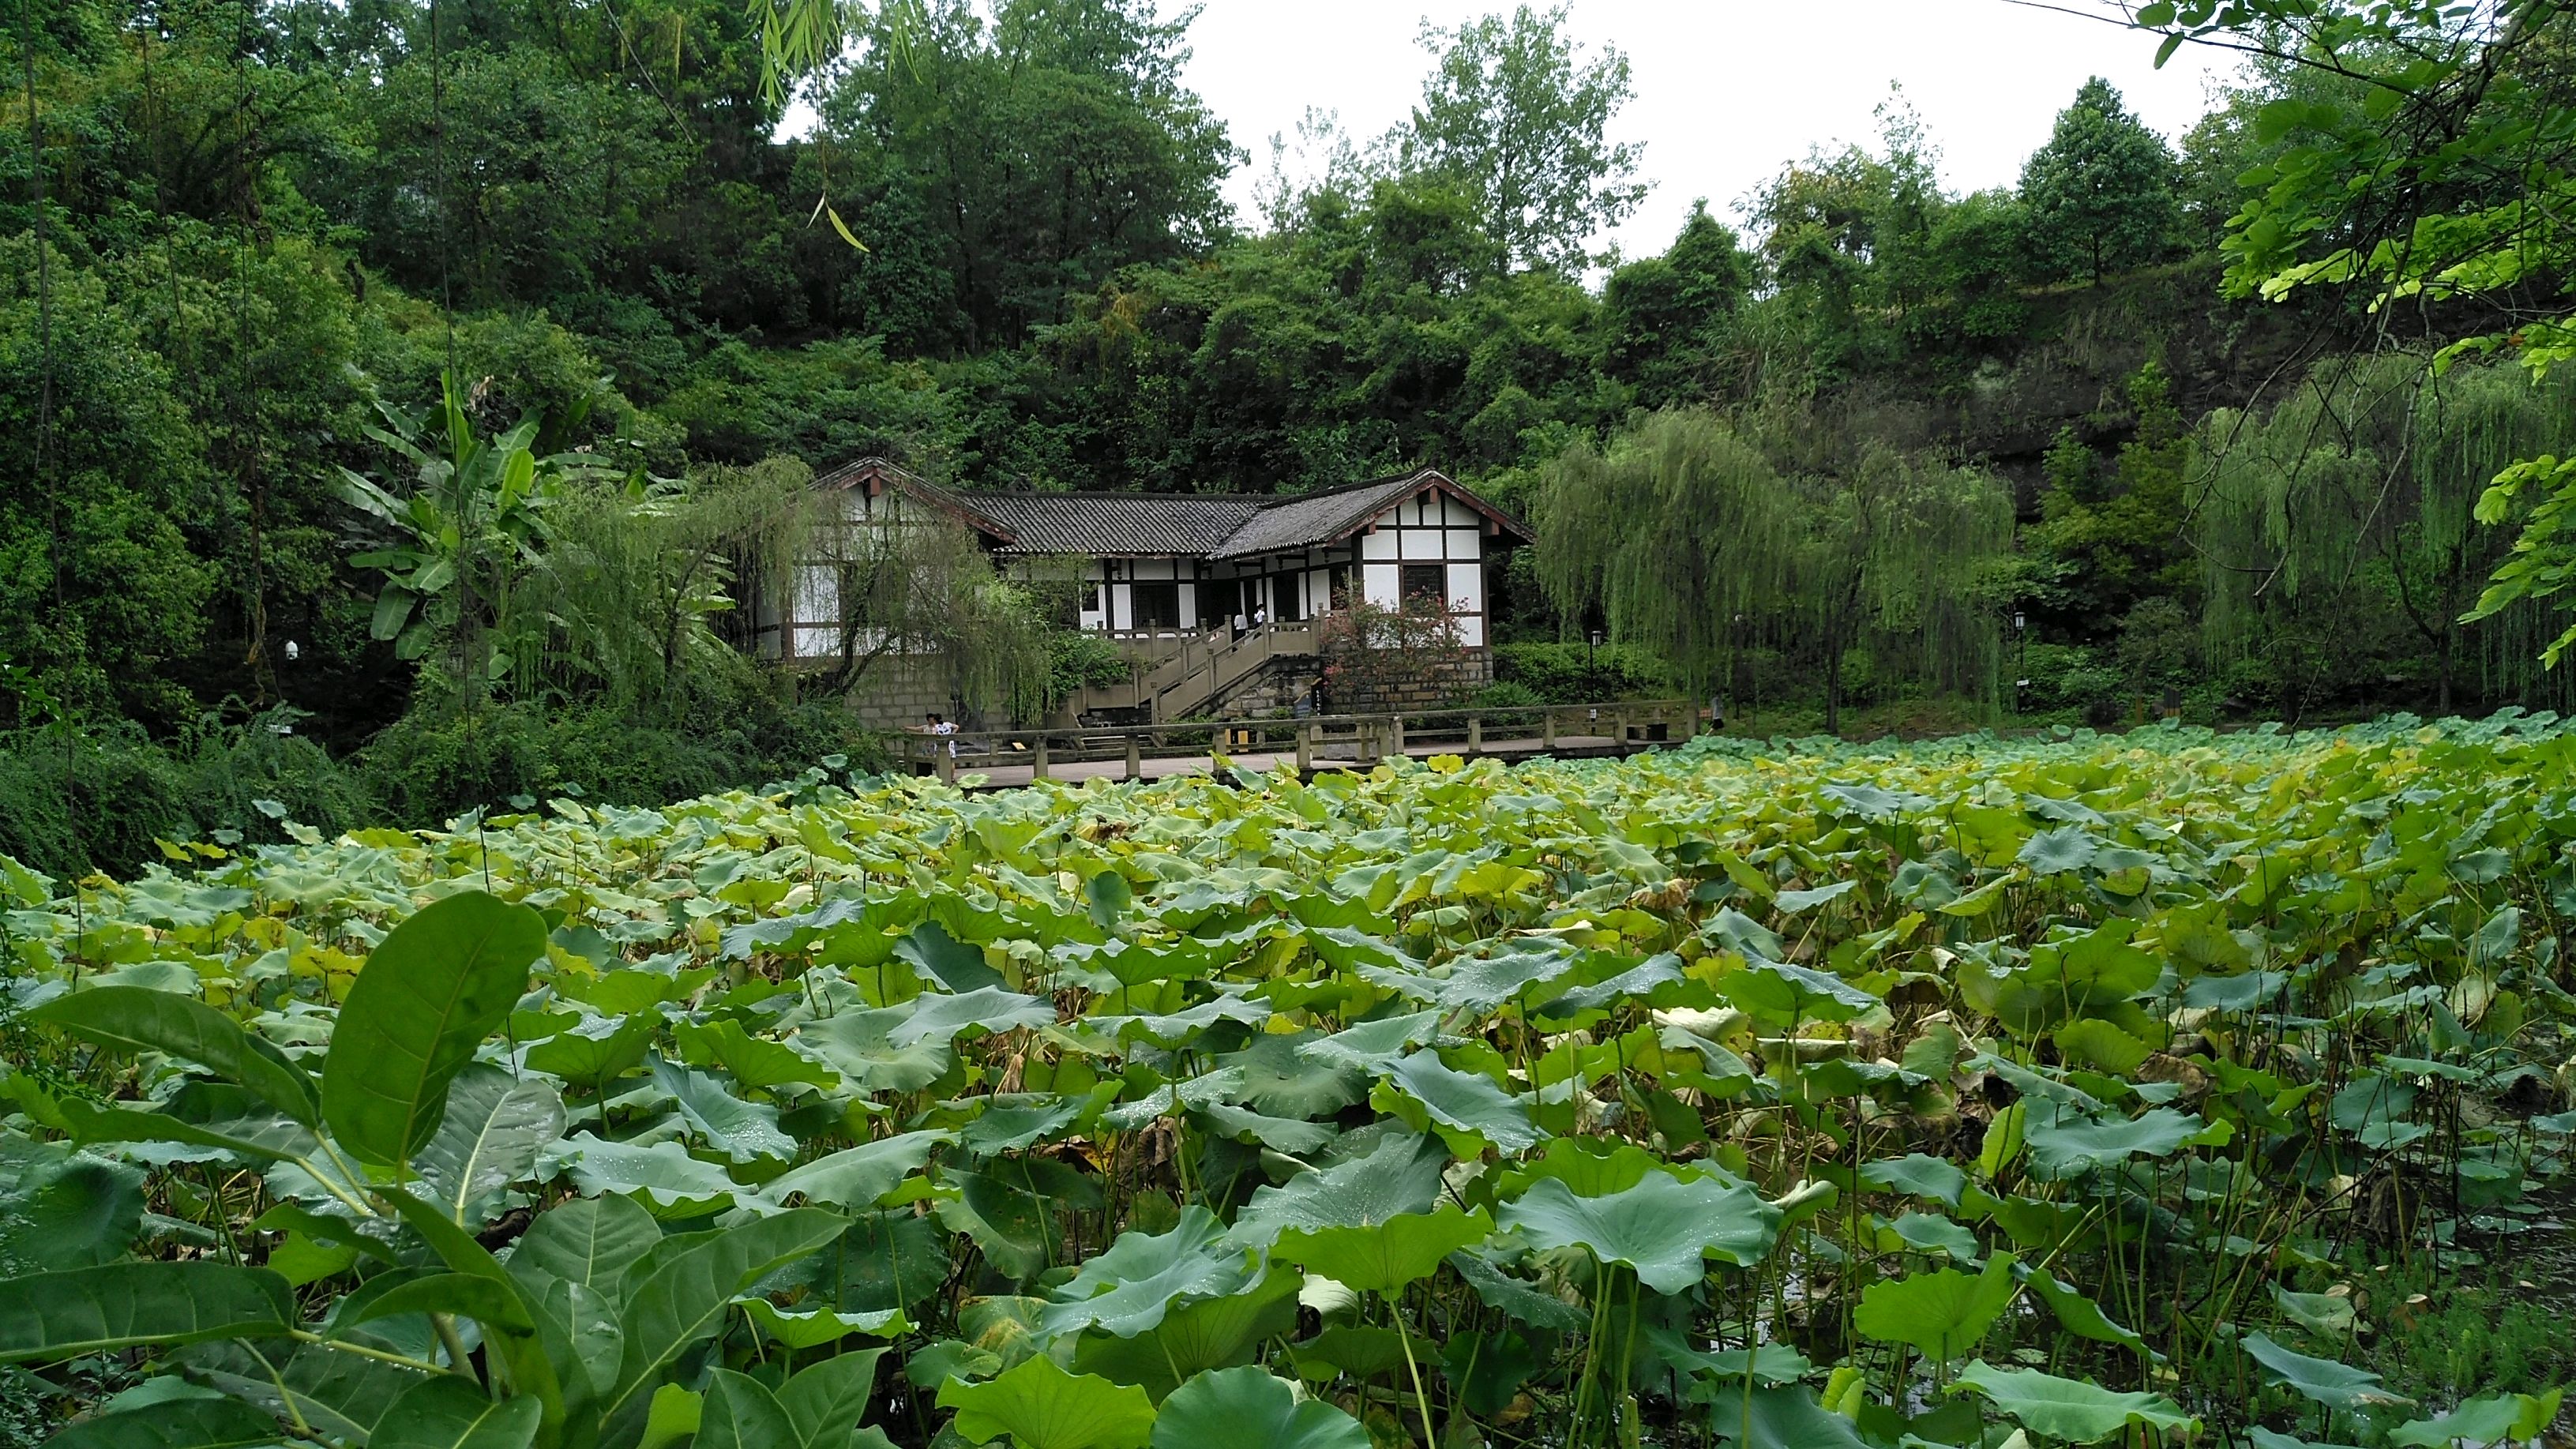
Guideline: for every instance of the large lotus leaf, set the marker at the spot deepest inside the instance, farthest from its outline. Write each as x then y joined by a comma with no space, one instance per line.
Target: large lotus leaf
799,1329
2335,1385
1515,1298
1177,1028
2080,1315
2487,1419
1633,984
1466,1101
1042,1407
1383,1257
937,1018
2063,1144
591,1051
1784,1417
1665,1227
1209,1333
1933,1233
854,1177
1127,1289
755,1062
1400,1175
582,1319
1481,983
2069,1409
1280,1080
2065,978
71,1213
1590,1166
860,1046
1944,1313
2101,1044
745,1131
1918,1174
428,995
1010,1123
1248,1408
1345,949
662,1174
2052,852
495,1126
886,1262
1292,1136
448,1412
955,964
1371,1046
1781,992
1014,1209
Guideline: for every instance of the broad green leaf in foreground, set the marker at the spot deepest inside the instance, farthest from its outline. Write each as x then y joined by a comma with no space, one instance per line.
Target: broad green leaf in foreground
2487,1419
119,1305
494,1128
683,1299
136,1018
1129,1288
2335,1385
448,1412
1466,1101
190,1423
1385,1257
428,995
1664,1227
1042,1407
1400,1175
1944,1313
1783,1417
1250,1408
2068,1409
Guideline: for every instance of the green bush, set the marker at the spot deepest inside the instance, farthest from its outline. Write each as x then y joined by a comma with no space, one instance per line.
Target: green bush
1504,694
75,799
1577,674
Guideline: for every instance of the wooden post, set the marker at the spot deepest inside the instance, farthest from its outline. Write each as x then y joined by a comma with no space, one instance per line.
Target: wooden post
1135,759
942,763
1690,722
1546,728
1619,727
1475,734
1396,732
1038,757
1305,748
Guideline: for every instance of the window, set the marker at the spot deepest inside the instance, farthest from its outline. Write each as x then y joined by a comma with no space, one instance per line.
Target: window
1157,605
1219,601
1424,588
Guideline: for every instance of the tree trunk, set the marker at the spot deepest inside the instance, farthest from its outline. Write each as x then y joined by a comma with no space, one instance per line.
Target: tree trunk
1833,681
2442,694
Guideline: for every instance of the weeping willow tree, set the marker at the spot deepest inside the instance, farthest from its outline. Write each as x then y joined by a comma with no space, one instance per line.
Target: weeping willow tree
2341,526
620,605
1689,541
911,587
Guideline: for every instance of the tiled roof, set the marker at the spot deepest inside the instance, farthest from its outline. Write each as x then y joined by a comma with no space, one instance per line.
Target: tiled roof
1178,525
1116,525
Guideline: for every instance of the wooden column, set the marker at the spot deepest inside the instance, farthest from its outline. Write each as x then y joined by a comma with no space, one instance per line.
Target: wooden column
1305,748
1038,757
1135,759
1475,734
942,763
1546,728
1396,732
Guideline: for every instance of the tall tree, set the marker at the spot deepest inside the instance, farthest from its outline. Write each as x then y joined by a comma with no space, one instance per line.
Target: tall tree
1518,118
2101,192
1685,535
1665,317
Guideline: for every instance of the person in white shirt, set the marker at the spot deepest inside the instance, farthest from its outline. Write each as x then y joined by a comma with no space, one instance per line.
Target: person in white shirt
940,726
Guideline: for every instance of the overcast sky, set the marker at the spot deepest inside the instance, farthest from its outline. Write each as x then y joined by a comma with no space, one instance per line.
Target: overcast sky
1726,90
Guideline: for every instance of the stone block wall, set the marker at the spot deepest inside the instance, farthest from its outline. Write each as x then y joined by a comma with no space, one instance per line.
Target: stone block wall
1436,684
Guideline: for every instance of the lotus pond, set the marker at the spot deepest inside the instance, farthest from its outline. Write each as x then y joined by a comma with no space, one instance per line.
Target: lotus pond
2167,1088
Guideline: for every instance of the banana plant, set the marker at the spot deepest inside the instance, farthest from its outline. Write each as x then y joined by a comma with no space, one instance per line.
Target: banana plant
472,519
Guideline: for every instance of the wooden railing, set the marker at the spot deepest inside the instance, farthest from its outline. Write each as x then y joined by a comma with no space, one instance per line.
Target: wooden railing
1359,739
1179,680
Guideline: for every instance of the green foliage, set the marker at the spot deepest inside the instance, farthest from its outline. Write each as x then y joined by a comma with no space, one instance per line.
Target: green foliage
2101,192
1051,1226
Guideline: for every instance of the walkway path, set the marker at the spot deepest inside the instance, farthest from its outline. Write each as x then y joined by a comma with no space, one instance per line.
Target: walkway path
974,775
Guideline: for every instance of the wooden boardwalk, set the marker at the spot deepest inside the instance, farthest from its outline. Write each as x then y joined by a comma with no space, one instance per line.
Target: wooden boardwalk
1007,759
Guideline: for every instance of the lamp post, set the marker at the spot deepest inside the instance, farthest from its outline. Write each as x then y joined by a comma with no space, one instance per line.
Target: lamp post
1591,642
2021,660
